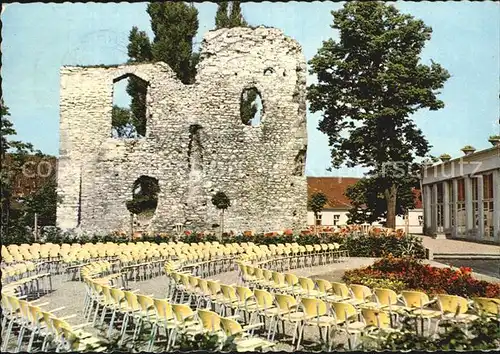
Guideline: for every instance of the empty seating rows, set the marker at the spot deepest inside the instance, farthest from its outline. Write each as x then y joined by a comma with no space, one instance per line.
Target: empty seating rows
265,299
361,300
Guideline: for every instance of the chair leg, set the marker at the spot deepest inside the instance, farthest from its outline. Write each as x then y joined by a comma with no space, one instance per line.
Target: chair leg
7,337
153,335
20,338
32,338
301,333
111,323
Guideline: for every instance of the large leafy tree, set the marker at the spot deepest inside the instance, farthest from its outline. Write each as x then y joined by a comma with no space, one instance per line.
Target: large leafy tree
370,82
174,26
16,212
18,153
369,203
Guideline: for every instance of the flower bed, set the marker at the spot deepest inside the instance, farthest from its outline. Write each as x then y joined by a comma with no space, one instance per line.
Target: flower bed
394,272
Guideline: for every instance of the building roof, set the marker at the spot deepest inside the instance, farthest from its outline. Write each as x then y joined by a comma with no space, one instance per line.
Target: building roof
335,187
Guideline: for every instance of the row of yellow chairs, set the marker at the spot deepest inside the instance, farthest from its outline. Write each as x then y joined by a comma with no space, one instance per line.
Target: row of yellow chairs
158,313
41,323
446,307
274,308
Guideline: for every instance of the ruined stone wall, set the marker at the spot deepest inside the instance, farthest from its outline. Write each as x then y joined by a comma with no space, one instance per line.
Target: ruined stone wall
260,168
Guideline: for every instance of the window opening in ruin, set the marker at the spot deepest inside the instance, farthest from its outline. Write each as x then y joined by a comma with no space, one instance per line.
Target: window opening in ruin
195,148
251,109
144,198
268,72
300,162
128,115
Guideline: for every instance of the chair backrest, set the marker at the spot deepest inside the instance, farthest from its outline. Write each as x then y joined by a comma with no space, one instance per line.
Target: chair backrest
263,298
278,278
306,283
323,285
414,298
375,317
291,279
486,305
452,304
231,327
229,292
385,297
285,302
361,292
132,302
146,302
182,312
243,293
214,287
35,315
268,275
343,311
117,294
314,307
340,289
163,309
210,320
203,284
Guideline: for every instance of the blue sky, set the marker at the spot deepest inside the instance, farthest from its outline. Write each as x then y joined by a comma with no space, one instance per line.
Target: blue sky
39,38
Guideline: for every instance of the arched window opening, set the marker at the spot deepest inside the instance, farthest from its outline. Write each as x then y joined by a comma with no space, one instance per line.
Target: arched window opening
269,71
144,198
128,115
251,109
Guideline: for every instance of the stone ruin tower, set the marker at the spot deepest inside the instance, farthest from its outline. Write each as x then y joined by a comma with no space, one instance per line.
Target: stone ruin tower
196,142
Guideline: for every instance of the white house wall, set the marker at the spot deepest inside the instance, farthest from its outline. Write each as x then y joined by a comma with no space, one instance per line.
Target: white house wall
327,217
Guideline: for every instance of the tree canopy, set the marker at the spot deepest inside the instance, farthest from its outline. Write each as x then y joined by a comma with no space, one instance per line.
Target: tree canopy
17,212
317,202
370,82
229,16
174,26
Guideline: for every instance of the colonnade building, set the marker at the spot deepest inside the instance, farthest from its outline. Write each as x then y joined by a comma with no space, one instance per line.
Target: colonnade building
461,197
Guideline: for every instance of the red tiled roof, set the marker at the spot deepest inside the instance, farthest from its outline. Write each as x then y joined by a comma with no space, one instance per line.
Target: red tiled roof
335,187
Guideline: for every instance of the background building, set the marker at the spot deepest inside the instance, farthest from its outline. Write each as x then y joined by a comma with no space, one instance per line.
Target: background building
338,205
461,197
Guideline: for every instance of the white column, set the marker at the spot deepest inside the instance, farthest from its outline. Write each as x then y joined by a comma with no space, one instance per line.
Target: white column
496,205
446,206
468,206
427,207
434,208
455,207
480,207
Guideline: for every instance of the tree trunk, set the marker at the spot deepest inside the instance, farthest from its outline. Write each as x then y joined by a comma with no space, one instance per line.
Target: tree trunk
390,197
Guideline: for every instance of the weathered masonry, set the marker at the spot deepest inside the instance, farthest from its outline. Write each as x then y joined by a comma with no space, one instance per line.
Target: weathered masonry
461,197
195,142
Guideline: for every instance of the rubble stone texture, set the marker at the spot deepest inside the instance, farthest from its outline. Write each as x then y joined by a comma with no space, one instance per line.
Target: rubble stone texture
195,143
